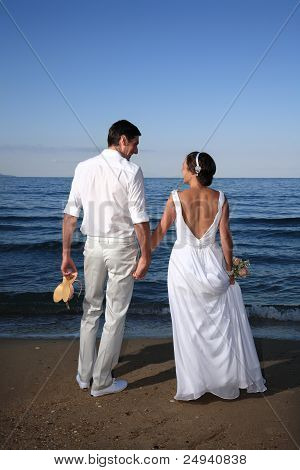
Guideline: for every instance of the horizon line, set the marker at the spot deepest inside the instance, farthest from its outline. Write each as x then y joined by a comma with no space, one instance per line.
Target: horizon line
167,177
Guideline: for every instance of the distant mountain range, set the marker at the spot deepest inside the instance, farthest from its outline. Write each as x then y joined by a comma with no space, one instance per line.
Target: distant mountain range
12,176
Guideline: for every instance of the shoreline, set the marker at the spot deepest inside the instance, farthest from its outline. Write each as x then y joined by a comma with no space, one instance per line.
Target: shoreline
42,407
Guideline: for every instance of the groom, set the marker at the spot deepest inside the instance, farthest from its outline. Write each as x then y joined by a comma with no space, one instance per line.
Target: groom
110,189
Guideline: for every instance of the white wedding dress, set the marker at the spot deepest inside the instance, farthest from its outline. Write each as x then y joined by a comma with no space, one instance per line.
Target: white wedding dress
213,343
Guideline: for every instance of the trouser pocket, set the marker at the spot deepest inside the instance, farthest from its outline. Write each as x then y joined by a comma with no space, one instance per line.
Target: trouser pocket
121,258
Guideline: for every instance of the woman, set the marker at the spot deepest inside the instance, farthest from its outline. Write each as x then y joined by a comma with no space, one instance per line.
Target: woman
213,343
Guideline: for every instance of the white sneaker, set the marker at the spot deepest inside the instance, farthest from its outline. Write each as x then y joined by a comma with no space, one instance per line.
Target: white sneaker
117,386
81,384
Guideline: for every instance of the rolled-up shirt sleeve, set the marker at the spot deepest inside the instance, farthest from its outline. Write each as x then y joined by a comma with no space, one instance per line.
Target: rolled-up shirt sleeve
74,203
136,199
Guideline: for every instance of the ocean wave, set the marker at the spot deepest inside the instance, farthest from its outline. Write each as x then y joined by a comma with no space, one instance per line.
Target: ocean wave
282,221
267,220
274,312
40,246
12,228
42,304
29,218
263,312
277,226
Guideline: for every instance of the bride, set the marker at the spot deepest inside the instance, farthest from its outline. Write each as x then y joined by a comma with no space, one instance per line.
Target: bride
213,343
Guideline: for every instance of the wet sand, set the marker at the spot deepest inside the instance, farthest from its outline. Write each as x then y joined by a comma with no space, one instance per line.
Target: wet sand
42,407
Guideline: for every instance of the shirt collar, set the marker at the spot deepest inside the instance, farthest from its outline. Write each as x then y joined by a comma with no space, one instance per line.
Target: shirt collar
111,153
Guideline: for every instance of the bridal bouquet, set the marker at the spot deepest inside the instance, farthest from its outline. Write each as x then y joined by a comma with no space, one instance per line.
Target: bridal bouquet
240,267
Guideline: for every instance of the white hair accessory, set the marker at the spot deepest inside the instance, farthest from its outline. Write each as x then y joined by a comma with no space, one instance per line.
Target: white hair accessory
197,167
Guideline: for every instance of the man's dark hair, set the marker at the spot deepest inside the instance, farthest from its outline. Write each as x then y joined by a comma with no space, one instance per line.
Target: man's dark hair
119,128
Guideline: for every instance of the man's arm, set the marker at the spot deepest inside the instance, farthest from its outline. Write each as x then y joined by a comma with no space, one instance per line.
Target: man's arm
71,214
142,231
69,226
140,220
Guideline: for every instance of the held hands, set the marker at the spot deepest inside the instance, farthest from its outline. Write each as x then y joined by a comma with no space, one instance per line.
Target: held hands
141,268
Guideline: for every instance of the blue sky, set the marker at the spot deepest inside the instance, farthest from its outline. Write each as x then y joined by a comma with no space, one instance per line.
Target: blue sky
171,67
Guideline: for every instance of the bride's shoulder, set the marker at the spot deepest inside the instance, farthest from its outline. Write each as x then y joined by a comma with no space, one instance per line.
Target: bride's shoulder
183,192
176,192
218,193
172,196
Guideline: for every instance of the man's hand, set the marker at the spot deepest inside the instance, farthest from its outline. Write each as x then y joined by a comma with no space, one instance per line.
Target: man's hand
142,231
68,266
141,268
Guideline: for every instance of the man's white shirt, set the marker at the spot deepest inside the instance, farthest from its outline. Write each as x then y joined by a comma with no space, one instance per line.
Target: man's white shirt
110,190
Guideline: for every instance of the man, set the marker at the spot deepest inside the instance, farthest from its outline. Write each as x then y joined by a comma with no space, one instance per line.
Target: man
110,189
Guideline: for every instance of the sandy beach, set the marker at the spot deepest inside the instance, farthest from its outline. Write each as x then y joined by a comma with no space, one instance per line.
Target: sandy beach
43,408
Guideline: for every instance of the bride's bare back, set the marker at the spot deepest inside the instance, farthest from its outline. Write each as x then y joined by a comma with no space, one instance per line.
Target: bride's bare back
199,206
199,209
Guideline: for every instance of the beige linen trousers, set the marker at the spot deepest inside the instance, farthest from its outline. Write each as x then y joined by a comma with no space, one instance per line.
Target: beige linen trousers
108,262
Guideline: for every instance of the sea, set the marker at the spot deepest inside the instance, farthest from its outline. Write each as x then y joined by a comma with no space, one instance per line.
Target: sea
265,224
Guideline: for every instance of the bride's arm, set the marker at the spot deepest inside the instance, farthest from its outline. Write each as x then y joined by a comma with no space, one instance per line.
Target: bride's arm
165,222
225,236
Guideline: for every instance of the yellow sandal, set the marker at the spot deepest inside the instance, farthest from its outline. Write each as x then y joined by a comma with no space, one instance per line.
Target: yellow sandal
65,290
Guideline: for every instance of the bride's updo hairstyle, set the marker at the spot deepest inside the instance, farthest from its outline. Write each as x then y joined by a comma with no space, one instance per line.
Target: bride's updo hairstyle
207,164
